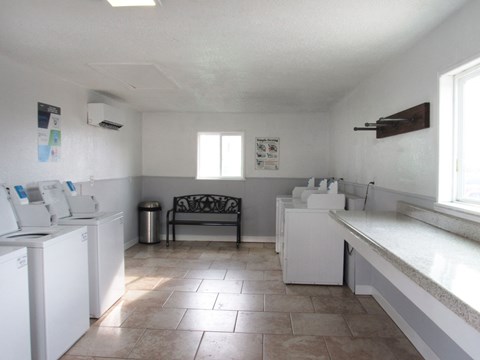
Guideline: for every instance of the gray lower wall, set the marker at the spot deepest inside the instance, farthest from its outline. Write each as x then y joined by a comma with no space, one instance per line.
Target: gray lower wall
118,195
443,346
258,200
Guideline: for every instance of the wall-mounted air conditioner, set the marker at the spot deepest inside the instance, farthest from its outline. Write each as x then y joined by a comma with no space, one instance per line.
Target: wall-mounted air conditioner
106,116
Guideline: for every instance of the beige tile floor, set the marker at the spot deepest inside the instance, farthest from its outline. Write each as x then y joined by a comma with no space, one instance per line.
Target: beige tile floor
208,300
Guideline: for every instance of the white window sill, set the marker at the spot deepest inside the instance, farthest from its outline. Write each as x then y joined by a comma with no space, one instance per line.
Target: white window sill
221,178
463,211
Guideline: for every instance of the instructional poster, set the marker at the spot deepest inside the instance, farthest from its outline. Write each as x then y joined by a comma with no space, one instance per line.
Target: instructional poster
267,153
49,132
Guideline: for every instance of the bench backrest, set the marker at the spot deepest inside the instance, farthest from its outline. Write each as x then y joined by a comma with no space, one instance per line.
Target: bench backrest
207,203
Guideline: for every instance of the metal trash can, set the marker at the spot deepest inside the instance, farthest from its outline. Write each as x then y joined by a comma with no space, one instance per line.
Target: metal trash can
149,222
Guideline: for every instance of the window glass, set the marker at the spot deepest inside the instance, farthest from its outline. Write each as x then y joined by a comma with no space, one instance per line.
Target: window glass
468,138
220,156
232,155
208,155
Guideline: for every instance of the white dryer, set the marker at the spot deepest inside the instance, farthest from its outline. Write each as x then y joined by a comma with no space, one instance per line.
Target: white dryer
14,304
58,280
105,247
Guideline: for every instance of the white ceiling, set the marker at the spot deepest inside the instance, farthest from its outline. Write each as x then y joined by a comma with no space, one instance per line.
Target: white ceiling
217,55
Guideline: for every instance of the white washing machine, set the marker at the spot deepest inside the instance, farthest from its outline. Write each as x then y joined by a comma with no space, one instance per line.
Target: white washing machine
14,304
280,202
58,281
311,252
105,247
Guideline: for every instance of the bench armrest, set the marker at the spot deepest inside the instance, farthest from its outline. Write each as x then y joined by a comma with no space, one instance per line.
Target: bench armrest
168,213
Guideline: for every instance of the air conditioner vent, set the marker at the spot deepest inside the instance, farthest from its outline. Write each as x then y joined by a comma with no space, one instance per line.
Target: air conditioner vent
105,116
110,125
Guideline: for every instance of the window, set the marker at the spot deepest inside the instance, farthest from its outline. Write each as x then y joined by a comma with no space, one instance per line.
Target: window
220,155
467,114
459,147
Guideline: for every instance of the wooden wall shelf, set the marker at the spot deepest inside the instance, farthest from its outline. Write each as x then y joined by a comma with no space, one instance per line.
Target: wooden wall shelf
413,119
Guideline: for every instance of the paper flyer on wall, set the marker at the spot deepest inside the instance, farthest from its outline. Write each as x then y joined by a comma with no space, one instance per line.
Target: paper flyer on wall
267,150
49,132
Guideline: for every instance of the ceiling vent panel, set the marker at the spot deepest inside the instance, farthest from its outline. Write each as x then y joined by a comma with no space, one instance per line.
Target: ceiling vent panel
136,76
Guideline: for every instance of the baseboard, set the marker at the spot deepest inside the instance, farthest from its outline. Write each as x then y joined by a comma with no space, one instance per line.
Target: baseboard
130,243
228,238
409,332
363,290
261,239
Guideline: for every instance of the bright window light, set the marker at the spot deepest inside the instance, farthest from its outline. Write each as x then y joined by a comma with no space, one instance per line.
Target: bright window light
118,3
459,119
468,128
231,155
220,156
208,156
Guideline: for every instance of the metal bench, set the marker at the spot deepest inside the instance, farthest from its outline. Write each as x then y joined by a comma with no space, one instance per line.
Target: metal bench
205,204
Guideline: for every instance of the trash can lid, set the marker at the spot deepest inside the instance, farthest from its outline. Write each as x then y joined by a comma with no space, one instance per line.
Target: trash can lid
149,205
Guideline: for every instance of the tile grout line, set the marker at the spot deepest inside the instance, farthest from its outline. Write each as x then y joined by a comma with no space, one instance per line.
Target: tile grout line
348,325
235,325
199,344
136,342
326,347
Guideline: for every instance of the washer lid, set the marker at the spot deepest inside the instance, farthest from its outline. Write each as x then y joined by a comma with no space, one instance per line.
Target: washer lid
91,219
16,253
8,221
53,194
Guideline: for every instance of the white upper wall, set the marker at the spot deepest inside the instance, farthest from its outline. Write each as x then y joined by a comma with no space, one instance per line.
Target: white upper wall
86,150
170,142
405,162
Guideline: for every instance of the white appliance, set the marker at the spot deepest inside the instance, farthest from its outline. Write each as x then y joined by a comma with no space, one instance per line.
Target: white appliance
58,280
105,245
312,254
14,305
283,201
105,116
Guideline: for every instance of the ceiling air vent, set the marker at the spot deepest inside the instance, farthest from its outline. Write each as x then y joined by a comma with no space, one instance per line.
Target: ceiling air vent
105,116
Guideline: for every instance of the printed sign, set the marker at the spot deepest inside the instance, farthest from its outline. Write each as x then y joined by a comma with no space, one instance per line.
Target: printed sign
267,152
49,132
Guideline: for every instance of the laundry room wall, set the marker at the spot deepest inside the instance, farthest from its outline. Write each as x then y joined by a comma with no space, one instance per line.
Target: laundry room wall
108,157
402,165
170,155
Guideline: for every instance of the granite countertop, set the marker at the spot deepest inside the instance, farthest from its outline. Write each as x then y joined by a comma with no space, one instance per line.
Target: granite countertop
444,264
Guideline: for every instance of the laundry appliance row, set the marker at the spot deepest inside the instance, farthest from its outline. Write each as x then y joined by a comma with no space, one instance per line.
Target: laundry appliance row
309,249
72,258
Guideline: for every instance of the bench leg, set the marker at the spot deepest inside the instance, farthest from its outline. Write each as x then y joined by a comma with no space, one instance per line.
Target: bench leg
167,240
238,236
173,232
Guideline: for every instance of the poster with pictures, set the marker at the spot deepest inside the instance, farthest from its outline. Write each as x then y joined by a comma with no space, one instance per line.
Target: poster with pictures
267,150
49,132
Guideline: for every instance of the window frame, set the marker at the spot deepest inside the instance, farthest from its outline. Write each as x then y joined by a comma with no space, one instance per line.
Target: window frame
459,80
448,146
242,155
